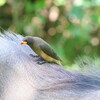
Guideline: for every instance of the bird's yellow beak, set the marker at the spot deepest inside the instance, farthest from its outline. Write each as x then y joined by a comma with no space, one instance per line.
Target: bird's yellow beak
23,42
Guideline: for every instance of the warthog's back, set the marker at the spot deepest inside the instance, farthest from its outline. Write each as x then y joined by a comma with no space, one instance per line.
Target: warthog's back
21,78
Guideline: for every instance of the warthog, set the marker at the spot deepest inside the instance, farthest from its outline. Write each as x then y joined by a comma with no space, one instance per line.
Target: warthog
21,78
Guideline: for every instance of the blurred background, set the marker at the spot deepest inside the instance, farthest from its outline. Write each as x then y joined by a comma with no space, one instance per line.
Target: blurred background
71,27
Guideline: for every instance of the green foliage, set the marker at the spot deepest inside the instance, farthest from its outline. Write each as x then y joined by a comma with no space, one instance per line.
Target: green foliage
72,27
77,12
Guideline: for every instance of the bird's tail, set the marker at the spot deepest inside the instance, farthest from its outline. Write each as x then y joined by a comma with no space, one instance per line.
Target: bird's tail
58,62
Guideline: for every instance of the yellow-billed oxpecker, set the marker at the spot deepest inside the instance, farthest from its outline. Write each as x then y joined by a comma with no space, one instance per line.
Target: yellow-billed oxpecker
42,49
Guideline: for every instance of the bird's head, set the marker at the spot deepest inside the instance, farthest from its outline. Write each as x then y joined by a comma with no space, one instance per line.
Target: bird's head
27,40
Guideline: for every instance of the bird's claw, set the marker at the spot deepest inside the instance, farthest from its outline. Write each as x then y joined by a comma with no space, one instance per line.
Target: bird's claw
41,62
34,55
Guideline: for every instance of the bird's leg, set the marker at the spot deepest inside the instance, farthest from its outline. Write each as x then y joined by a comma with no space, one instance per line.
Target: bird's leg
34,55
41,62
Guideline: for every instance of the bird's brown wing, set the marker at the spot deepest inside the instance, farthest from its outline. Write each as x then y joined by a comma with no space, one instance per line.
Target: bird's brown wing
49,51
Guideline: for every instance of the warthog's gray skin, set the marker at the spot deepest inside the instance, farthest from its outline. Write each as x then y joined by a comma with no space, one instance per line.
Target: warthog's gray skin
21,78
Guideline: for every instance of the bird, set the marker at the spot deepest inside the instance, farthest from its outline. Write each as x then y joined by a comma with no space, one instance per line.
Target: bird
42,49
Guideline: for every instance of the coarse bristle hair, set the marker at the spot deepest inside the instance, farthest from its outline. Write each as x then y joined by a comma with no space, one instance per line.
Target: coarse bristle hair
21,78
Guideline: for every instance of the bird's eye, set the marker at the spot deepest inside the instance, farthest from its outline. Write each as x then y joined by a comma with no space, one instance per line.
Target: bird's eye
25,40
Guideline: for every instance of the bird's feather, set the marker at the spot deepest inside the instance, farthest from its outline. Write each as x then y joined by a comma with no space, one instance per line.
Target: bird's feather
49,51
